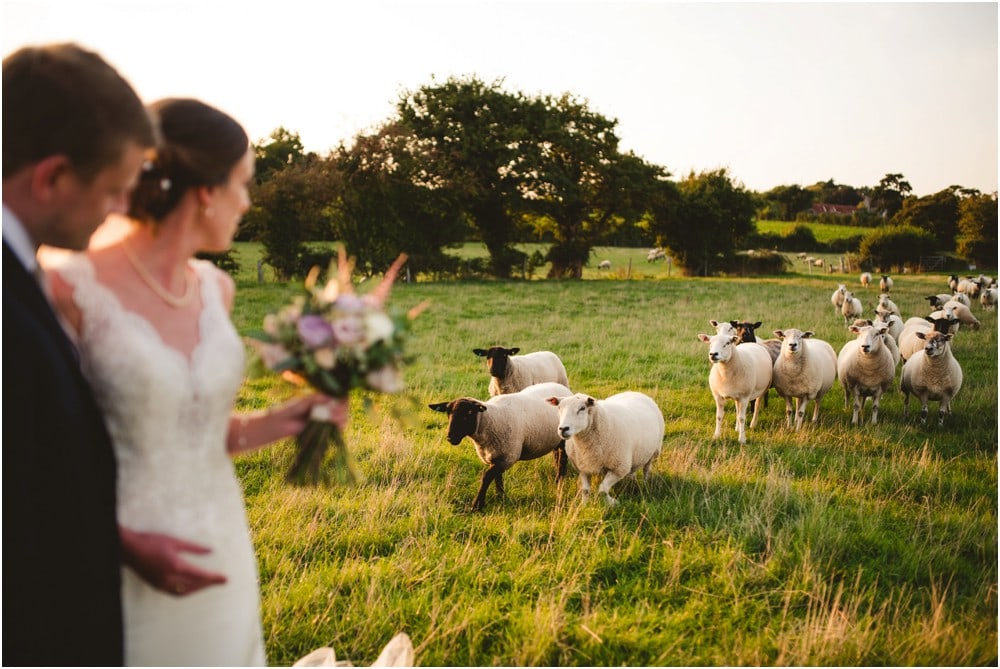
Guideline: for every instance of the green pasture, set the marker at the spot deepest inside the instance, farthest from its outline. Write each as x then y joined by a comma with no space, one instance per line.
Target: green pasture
831,546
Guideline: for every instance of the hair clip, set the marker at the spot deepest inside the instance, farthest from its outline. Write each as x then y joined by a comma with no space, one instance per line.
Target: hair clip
147,166
165,184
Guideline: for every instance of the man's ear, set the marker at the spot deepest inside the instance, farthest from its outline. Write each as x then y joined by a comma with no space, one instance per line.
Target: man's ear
46,174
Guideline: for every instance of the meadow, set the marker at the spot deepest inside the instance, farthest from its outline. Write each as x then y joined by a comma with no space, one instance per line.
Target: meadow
831,546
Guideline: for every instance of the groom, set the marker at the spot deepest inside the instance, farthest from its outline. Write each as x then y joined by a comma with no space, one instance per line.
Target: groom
74,138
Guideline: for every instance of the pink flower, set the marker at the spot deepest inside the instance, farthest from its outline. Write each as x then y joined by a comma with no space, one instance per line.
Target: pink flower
314,331
385,380
349,330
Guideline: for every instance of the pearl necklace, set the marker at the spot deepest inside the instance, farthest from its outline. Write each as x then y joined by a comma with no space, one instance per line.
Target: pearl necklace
155,286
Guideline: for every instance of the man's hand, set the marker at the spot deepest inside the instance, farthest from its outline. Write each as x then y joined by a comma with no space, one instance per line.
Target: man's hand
158,559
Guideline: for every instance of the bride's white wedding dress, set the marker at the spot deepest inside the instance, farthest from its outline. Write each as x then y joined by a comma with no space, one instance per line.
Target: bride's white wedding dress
168,415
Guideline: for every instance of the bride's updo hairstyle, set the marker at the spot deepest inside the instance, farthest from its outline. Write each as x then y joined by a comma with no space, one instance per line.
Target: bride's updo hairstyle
199,146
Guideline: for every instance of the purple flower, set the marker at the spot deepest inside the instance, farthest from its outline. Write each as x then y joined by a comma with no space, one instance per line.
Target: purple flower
314,331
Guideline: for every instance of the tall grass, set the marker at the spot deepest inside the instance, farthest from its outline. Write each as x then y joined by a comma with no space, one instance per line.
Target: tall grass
833,545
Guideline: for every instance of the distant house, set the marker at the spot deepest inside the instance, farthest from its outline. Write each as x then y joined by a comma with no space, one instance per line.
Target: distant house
836,209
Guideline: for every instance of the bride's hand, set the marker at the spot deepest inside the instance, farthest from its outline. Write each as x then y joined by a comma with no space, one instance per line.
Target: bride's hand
158,559
250,431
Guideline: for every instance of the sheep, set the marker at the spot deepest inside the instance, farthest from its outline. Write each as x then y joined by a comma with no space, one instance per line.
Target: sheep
604,264
885,284
805,370
615,436
932,373
889,340
817,262
962,312
851,308
961,298
969,286
838,298
939,300
655,254
746,331
988,298
509,374
909,343
741,373
953,283
886,306
866,279
865,369
507,429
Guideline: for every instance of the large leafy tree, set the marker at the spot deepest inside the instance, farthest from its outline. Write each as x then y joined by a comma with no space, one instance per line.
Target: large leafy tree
893,247
977,229
887,198
582,186
937,214
790,200
710,220
470,137
830,192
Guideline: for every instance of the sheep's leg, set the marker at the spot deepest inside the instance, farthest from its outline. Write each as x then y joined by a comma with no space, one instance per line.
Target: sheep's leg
816,409
610,479
489,475
584,485
720,414
756,411
560,458
788,412
741,419
923,411
801,403
499,483
858,406
875,399
906,404
944,408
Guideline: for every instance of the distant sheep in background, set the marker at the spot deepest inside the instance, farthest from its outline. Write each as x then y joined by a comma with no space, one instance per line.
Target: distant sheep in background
865,369
604,264
932,373
655,254
838,298
615,436
866,279
510,375
953,283
886,306
507,429
885,284
988,298
851,308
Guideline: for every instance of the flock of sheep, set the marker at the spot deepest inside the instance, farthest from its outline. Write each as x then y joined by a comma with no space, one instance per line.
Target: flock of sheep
532,411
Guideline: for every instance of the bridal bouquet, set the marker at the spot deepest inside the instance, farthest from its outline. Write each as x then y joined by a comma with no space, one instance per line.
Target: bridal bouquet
334,340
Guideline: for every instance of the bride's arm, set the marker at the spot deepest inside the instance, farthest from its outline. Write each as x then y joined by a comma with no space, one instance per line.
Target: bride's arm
250,431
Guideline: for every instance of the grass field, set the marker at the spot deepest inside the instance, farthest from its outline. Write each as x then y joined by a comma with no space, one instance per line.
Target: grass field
831,546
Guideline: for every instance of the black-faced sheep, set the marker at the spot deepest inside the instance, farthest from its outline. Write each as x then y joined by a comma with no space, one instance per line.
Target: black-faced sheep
909,343
885,284
507,429
805,370
604,264
615,436
932,373
510,375
960,311
865,369
741,373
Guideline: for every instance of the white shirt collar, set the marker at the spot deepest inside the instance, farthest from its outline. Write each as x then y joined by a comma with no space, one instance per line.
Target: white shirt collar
19,240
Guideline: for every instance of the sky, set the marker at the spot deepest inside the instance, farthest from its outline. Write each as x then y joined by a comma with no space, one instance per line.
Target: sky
777,93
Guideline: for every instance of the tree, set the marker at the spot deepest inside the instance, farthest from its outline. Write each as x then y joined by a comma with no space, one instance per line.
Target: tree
790,200
830,192
887,197
711,218
895,246
937,213
283,150
977,229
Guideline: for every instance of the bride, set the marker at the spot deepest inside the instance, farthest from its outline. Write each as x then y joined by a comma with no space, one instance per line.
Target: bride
157,345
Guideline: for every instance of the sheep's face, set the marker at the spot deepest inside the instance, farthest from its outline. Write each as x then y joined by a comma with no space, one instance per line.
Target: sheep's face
463,417
791,340
869,338
496,359
935,343
574,414
746,331
720,347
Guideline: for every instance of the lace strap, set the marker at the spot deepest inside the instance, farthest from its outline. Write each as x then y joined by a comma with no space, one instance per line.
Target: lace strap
89,295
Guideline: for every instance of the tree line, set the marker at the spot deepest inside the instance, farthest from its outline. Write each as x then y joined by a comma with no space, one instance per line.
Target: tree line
465,159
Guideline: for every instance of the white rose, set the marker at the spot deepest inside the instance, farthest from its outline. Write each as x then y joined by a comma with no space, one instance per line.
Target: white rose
378,326
386,380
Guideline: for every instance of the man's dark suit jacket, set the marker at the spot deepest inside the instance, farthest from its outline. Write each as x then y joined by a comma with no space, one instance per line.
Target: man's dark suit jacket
61,552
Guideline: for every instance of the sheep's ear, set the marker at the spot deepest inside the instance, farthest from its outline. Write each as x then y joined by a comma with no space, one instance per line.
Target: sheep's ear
735,339
590,401
704,337
929,319
882,331
479,351
480,407
780,334
512,351
920,335
554,401
440,406
735,324
947,336
807,334
854,328
756,325
714,323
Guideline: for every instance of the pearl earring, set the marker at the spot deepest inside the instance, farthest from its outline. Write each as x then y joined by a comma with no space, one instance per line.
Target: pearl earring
208,211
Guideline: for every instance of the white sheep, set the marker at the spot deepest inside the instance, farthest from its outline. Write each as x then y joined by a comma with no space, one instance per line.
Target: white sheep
509,374
962,312
889,340
969,286
741,373
953,283
655,254
909,342
838,298
865,369
939,300
615,436
604,264
507,429
961,298
866,279
805,370
932,373
851,308
886,306
885,284
988,298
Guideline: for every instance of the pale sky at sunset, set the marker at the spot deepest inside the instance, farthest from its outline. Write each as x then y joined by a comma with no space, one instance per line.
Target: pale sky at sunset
779,93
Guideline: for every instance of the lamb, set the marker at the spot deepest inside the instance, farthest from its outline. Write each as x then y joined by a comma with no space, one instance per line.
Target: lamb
851,308
988,298
932,373
615,436
866,279
960,311
885,284
741,373
510,375
886,306
838,298
604,264
909,343
507,429
865,369
805,370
